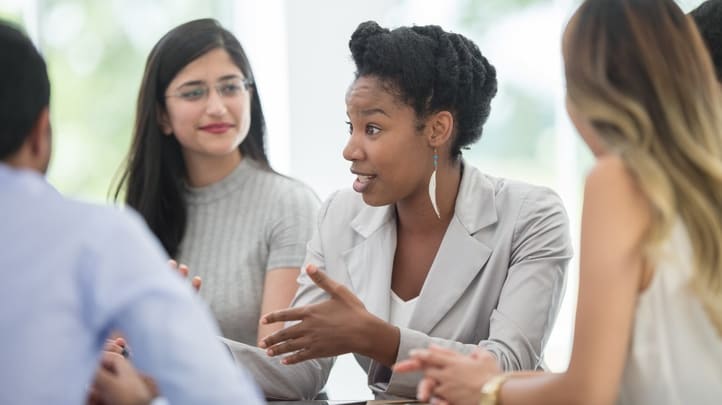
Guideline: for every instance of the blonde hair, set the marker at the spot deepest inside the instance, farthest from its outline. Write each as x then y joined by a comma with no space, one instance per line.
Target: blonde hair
639,71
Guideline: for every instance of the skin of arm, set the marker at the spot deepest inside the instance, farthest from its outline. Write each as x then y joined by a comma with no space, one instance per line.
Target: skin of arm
279,288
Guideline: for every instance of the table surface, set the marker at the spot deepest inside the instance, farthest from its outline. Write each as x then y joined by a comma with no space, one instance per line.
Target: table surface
327,402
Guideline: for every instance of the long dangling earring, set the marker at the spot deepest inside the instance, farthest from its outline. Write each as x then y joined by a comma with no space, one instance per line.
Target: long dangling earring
432,185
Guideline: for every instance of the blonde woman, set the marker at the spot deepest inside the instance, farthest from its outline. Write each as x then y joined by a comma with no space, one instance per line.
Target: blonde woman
641,90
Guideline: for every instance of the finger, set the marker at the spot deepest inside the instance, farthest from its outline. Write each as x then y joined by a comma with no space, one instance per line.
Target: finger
407,366
439,374
442,350
438,401
110,360
93,397
321,279
425,389
288,346
103,379
183,270
483,356
299,356
111,346
291,332
121,342
196,283
284,315
173,264
433,358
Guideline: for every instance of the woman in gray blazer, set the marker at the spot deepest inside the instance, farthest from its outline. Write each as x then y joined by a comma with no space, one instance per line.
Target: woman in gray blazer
426,248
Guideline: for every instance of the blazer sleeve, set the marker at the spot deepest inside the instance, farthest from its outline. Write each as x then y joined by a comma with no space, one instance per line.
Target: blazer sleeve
530,297
528,303
279,381
299,381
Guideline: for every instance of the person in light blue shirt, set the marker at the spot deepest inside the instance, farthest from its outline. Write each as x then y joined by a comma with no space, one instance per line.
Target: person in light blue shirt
72,272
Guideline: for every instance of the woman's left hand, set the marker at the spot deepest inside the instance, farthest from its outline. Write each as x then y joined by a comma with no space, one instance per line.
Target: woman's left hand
450,377
329,328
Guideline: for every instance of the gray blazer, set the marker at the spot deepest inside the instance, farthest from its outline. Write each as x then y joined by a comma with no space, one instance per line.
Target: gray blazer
496,281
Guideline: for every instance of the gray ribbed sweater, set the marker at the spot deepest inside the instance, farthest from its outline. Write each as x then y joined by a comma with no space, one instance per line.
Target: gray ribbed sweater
251,222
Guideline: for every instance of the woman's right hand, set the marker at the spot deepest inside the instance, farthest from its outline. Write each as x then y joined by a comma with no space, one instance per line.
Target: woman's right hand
183,270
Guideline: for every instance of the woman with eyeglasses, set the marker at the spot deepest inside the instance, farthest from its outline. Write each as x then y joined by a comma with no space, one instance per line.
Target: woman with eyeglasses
198,173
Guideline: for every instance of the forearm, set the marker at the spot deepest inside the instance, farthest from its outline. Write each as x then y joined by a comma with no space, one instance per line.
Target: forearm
290,382
541,388
379,341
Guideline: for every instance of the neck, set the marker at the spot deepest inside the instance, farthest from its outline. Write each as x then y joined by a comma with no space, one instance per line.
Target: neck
206,170
416,214
25,159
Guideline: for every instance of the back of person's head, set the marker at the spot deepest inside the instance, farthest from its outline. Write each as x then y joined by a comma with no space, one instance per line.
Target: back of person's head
24,88
430,70
639,72
155,172
708,17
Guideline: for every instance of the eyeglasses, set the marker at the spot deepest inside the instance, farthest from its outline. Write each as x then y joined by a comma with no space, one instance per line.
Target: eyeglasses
199,92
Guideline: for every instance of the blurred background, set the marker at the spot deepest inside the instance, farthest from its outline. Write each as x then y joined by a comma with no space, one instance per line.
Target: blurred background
96,53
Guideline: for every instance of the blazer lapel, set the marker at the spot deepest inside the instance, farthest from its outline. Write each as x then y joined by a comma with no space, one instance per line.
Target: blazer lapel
461,256
369,263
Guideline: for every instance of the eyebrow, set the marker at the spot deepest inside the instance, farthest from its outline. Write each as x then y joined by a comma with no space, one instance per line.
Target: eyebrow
372,111
201,82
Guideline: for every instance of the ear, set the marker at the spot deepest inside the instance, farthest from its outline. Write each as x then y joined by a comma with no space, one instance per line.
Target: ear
39,143
39,139
161,115
440,128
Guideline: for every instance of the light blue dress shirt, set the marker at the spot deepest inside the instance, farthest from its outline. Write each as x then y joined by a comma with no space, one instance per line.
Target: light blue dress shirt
71,273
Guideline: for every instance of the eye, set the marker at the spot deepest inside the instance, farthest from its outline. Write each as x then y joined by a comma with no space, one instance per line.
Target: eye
350,127
372,129
230,89
194,94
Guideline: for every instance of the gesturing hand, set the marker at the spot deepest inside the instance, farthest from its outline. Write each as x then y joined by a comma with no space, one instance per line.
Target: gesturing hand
450,377
329,328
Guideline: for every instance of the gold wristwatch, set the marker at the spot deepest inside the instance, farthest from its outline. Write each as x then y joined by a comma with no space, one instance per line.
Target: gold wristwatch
490,390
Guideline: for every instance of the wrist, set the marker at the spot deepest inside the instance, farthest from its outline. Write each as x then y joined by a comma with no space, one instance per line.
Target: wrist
491,390
379,340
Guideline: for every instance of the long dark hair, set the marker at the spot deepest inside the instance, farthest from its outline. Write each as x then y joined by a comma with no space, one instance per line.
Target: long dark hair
154,173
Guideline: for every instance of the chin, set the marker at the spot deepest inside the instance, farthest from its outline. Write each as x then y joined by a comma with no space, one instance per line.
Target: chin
374,200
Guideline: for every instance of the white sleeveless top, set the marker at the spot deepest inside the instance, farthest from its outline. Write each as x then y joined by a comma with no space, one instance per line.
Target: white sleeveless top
675,354
401,311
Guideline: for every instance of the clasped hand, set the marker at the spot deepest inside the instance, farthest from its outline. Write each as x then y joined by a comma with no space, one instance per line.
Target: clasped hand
450,378
329,328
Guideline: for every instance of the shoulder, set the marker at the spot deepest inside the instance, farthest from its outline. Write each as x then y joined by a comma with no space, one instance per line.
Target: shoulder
610,174
95,240
518,199
532,216
343,205
527,194
281,188
118,227
613,198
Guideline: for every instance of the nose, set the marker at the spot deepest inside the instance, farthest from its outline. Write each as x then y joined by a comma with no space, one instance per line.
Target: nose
354,149
215,105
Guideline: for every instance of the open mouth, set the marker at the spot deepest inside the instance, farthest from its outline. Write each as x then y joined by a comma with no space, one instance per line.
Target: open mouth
362,182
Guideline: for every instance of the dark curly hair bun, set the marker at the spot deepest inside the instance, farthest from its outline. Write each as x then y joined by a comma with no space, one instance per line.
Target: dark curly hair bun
431,70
